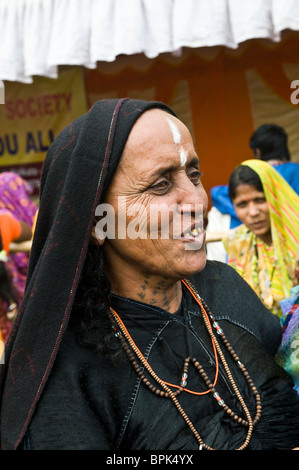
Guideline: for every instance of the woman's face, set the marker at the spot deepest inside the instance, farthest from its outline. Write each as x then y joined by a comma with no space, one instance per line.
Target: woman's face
158,201
252,209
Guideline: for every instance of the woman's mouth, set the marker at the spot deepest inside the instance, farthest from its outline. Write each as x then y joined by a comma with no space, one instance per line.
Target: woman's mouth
257,225
194,237
192,233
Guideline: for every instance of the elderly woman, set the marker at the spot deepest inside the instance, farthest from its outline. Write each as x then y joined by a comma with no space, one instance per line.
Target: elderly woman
127,338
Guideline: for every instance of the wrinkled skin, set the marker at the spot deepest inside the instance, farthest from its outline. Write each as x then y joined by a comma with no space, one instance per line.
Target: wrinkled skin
159,166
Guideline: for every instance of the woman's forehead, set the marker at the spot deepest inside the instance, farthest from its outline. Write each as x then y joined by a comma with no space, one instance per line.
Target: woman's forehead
157,125
157,133
158,144
247,191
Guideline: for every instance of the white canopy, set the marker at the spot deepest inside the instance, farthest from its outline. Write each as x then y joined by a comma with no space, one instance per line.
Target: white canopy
36,36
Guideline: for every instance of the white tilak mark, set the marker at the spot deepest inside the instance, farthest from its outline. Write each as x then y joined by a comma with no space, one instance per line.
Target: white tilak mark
175,132
177,139
183,155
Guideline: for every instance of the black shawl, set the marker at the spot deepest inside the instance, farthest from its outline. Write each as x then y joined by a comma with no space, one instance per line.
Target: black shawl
78,168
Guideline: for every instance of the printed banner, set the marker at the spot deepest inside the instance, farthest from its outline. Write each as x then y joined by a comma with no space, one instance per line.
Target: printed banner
33,115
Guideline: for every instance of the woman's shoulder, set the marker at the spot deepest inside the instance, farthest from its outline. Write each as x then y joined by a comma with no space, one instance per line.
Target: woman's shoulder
217,270
238,234
231,299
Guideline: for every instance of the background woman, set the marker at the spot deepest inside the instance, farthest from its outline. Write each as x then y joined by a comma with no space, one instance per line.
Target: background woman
8,298
264,248
11,230
15,200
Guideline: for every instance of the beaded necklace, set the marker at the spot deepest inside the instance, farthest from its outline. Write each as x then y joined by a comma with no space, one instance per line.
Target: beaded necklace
135,355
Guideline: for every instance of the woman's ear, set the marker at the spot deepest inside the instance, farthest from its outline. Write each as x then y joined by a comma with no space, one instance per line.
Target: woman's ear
97,235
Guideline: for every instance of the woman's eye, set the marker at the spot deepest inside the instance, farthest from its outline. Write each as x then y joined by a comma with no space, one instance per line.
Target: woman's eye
239,204
194,176
260,200
161,186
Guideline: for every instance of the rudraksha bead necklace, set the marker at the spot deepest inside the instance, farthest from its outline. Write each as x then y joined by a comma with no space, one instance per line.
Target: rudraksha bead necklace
134,355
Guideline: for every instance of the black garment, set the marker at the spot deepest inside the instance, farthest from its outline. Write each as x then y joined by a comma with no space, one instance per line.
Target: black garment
77,169
91,403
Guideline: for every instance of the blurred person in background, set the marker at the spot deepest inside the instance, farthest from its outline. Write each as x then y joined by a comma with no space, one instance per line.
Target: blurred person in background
15,201
263,249
269,142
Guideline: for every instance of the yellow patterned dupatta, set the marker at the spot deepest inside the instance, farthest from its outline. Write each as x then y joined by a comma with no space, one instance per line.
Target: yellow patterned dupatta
269,269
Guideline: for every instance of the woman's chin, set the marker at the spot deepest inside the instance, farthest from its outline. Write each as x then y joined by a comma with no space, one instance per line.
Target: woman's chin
195,263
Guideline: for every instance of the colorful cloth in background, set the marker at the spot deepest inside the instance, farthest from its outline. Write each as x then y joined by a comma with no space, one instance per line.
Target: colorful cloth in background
10,229
15,197
296,271
269,269
288,353
222,202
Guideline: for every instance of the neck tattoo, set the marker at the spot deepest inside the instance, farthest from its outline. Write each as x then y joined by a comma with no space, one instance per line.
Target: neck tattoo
158,295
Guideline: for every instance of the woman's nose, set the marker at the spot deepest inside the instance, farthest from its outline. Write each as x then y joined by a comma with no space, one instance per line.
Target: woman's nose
193,195
253,209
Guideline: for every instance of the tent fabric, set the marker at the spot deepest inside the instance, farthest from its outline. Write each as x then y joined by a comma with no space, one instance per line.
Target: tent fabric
36,36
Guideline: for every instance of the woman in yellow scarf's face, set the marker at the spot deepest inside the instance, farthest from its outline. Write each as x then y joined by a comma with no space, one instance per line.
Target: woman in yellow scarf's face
252,209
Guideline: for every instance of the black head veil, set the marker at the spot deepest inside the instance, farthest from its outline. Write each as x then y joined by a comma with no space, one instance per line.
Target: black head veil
78,168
